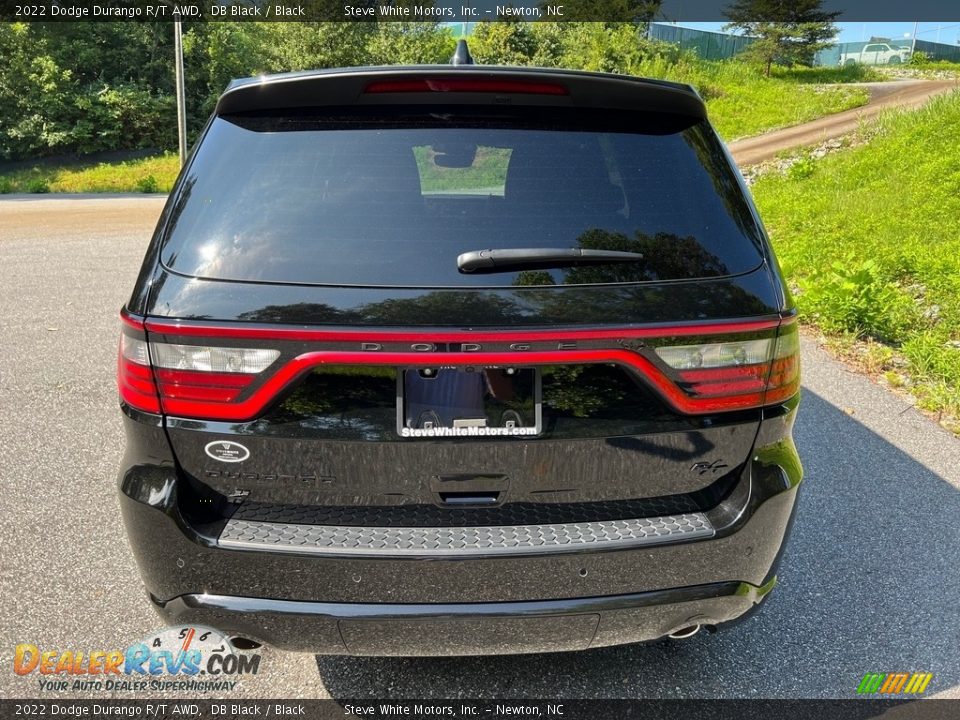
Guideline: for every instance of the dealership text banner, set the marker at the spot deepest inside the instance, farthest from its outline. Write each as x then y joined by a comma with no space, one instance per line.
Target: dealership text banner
442,10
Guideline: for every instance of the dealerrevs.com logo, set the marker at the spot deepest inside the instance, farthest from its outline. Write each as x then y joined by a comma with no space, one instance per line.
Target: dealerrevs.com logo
894,683
190,658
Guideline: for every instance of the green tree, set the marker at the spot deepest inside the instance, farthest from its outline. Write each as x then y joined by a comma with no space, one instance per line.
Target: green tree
316,45
83,87
786,31
32,104
604,47
410,43
503,42
215,54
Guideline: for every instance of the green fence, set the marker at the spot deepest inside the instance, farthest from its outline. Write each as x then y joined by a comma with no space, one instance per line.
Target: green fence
719,46
884,52
708,45
939,51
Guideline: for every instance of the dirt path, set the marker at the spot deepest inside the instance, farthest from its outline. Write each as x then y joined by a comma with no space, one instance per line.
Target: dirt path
904,94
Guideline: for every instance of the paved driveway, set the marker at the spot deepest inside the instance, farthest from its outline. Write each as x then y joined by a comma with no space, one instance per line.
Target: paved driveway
870,581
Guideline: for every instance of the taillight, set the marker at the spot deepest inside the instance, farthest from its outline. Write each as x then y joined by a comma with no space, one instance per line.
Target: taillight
205,374
193,380
134,377
737,374
730,365
467,85
784,379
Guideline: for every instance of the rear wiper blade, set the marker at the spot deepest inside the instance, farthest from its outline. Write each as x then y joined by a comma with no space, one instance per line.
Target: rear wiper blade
505,259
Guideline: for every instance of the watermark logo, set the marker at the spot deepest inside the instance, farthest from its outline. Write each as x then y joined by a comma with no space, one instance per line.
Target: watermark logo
471,431
174,658
895,683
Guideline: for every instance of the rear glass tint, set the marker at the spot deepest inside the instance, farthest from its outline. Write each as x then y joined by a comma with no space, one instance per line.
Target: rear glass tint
393,203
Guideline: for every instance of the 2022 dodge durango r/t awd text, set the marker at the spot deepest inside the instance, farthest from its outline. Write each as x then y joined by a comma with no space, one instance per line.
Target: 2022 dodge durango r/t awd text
455,360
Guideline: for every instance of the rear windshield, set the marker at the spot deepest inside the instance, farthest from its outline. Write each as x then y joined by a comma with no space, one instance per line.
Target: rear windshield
394,202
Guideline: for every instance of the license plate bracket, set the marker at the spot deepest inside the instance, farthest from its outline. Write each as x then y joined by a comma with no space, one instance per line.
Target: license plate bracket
455,402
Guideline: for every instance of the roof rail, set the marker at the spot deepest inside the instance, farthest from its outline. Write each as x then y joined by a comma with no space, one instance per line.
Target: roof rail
462,54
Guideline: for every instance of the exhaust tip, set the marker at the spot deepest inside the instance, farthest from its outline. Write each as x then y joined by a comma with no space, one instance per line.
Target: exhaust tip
242,643
684,633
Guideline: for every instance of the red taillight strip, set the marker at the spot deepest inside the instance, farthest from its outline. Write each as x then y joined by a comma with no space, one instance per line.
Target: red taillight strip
200,386
200,393
135,384
252,406
469,85
186,328
207,379
725,373
216,400
137,377
134,323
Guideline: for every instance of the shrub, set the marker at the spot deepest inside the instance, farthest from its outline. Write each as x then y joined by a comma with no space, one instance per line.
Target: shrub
6,186
123,118
858,299
933,354
801,169
38,186
148,184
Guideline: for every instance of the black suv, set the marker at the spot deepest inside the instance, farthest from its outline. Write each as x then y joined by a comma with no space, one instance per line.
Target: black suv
458,359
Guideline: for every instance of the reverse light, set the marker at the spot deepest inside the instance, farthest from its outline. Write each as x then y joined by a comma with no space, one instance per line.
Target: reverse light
711,355
204,374
211,359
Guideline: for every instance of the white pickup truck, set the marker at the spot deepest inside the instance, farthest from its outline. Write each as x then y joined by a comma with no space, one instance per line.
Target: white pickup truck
876,54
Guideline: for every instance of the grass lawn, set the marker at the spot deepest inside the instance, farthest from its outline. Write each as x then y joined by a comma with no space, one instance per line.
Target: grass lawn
871,238
148,175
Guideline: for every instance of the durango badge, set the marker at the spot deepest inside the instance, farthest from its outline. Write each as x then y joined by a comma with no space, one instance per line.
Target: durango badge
227,451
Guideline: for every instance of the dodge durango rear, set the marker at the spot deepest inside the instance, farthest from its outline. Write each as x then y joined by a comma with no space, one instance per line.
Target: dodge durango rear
447,360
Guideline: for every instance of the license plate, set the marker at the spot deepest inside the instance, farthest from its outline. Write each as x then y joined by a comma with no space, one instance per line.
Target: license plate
468,402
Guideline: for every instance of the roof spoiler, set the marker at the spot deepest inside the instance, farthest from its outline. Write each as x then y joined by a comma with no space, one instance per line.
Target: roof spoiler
348,87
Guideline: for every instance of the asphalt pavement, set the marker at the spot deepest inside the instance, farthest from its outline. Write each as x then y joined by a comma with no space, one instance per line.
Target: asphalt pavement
869,582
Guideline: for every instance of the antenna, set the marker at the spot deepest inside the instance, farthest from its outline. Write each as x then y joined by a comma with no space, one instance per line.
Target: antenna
462,55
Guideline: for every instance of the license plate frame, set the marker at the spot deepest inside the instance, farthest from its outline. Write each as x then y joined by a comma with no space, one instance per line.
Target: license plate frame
456,399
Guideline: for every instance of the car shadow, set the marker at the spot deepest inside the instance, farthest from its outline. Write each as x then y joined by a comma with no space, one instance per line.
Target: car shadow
869,583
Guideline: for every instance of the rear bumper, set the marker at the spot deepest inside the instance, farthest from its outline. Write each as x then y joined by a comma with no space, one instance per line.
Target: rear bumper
466,628
454,604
